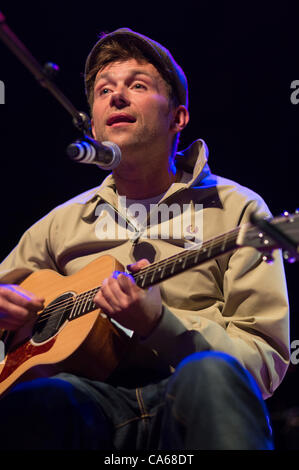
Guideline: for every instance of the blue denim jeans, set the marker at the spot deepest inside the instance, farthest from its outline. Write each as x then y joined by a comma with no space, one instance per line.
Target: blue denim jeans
209,403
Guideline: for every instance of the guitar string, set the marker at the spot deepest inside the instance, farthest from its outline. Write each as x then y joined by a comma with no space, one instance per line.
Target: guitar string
151,269
78,299
85,297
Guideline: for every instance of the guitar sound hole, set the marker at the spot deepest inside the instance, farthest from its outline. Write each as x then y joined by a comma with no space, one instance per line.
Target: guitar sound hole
52,318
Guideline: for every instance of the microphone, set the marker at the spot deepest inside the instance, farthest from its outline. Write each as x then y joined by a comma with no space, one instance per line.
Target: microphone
106,155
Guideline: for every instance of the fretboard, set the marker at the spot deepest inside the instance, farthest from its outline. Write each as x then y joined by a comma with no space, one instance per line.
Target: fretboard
187,259
82,303
74,306
162,270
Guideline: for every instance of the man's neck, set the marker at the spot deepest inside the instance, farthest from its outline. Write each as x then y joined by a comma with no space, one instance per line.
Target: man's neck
142,183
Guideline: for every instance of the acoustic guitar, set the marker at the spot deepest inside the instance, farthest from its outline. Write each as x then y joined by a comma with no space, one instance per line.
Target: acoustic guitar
71,334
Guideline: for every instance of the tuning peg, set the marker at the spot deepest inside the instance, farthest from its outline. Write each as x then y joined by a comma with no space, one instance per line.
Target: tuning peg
51,70
268,258
288,257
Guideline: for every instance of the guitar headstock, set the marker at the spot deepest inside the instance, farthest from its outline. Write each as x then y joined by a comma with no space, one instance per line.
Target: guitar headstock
267,235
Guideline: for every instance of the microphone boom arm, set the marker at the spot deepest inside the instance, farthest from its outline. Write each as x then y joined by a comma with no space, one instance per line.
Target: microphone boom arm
80,120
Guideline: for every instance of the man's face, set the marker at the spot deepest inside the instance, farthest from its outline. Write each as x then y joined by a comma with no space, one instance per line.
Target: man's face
131,107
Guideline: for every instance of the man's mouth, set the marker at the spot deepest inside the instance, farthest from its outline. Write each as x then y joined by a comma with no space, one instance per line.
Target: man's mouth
120,118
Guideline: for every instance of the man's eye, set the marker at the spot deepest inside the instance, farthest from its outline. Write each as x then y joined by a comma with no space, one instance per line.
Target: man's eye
101,91
139,86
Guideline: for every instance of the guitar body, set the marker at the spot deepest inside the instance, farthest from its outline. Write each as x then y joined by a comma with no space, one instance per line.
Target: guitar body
89,345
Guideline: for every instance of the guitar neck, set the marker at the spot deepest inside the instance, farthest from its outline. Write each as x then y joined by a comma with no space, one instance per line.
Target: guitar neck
162,270
244,235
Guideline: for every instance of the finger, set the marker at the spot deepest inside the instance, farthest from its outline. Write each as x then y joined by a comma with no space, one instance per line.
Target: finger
8,324
135,267
102,303
15,318
112,293
126,289
26,292
127,285
19,296
31,296
102,297
7,307
12,315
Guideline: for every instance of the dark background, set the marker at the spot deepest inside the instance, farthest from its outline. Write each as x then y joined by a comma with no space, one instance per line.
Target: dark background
240,59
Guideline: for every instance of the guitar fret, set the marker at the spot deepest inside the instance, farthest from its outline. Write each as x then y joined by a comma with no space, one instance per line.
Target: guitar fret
76,311
91,304
191,259
172,269
184,262
223,246
159,270
83,303
196,257
210,249
140,279
162,271
143,281
73,313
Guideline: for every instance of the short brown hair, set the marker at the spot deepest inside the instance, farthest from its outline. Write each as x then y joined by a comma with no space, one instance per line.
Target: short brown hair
116,51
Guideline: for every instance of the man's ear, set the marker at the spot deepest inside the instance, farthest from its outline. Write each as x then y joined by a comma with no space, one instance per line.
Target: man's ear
180,118
92,129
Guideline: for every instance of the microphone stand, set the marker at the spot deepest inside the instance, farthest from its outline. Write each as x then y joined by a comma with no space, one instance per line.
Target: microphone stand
42,74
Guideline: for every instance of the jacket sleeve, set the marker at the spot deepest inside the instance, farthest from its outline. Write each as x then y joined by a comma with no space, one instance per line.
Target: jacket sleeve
253,318
32,253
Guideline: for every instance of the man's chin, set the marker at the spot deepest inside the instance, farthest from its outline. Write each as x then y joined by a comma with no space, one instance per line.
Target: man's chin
125,144
126,141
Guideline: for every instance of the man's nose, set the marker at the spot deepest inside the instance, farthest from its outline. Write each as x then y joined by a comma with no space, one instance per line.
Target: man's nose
119,99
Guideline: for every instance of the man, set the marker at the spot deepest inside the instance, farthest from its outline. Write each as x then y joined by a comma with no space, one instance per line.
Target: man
185,381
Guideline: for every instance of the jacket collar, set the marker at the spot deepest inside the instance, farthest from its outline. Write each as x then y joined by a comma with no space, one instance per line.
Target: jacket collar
194,160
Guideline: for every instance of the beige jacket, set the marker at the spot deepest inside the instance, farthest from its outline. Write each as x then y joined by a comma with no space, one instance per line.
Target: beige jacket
236,303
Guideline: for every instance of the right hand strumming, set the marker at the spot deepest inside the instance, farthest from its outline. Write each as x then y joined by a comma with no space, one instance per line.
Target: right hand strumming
17,306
